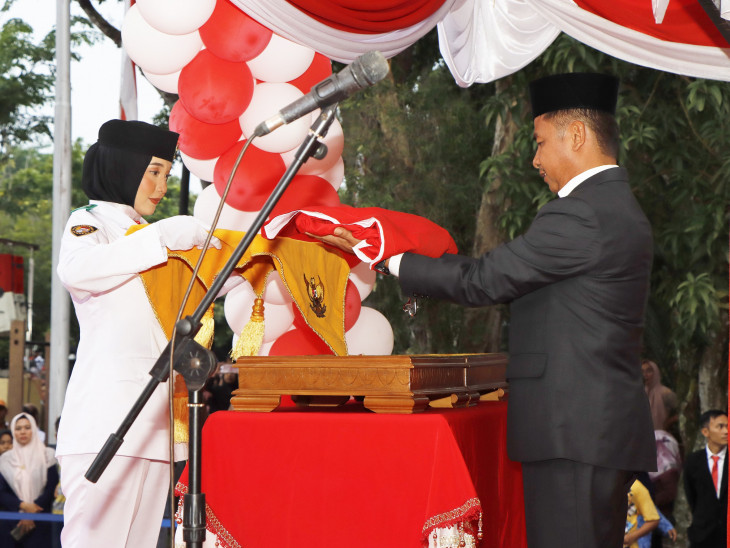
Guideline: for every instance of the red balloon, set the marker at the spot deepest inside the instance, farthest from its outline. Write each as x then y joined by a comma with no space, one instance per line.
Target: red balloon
200,140
306,191
353,304
320,69
233,35
213,90
299,342
255,178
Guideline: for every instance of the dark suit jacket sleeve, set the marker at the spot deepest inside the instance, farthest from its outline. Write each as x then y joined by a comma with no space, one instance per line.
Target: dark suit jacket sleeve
690,481
562,242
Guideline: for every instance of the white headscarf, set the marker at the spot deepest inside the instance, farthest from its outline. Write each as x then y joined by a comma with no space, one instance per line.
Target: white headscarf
25,467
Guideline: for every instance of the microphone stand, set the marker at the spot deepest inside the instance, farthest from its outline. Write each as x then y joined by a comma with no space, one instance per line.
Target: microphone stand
194,362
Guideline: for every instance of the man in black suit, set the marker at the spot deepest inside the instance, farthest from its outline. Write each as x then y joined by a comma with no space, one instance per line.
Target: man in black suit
705,483
578,282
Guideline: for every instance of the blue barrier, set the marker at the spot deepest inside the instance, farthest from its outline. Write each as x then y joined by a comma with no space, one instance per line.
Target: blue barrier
48,517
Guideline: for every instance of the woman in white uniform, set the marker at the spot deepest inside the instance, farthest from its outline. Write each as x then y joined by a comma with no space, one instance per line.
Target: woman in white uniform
125,176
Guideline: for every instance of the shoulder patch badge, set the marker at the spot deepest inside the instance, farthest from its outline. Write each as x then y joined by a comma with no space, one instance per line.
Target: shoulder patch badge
82,230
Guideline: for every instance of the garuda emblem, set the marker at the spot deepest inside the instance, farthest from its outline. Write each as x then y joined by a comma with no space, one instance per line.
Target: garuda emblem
315,292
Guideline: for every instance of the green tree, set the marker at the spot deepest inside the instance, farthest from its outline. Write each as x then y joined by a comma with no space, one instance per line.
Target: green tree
27,76
413,143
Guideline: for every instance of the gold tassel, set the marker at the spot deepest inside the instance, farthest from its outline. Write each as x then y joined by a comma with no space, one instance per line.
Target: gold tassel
180,410
252,336
204,337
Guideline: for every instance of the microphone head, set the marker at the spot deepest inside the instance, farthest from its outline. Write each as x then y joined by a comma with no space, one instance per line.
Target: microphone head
370,68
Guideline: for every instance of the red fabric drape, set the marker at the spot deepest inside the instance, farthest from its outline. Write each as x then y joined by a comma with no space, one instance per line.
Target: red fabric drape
685,21
348,477
368,16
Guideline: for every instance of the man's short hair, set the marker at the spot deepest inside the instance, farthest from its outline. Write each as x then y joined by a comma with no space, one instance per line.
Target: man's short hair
602,123
707,416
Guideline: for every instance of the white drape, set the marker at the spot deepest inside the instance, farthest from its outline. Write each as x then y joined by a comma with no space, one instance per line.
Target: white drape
484,40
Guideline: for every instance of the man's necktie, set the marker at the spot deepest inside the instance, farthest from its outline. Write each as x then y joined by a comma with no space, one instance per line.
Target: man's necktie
714,458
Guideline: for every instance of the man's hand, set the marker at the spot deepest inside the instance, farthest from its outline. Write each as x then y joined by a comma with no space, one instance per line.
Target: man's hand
341,239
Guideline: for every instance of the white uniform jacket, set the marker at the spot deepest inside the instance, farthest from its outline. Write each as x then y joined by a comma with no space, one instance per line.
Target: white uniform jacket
120,337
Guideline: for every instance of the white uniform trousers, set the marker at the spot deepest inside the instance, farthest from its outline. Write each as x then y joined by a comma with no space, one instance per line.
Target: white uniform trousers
123,509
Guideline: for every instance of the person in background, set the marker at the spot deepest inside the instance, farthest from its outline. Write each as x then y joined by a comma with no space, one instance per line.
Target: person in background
3,415
222,391
28,477
125,176
642,517
669,466
705,483
665,528
662,400
6,440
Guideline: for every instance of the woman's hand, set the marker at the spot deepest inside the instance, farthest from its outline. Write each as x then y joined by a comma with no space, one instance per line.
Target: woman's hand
30,507
26,525
341,239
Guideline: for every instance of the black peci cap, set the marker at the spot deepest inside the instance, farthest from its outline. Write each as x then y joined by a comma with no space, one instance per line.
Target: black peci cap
139,137
574,90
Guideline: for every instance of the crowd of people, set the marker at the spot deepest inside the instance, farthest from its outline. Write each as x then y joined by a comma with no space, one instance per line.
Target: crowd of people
29,483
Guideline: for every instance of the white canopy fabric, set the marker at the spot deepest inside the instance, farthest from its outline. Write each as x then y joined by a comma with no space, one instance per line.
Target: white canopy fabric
484,40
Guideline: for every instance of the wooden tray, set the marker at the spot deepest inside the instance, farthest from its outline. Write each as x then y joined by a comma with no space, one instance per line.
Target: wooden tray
389,384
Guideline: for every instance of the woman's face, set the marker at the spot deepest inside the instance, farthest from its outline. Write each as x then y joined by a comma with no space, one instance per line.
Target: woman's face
6,442
153,186
23,432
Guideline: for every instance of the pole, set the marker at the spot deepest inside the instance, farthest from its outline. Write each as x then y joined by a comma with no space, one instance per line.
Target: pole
29,304
61,206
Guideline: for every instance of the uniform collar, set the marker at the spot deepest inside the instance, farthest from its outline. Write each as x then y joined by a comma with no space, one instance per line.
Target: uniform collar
578,179
122,212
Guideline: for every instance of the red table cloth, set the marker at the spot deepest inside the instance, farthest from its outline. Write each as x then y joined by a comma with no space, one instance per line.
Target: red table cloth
348,477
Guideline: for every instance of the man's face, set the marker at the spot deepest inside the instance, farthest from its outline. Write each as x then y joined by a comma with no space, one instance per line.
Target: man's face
552,155
716,432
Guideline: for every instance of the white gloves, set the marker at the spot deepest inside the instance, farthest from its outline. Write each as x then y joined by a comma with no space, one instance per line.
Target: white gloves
183,232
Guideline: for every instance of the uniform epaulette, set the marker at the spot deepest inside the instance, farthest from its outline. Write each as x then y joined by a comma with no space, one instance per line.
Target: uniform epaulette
86,207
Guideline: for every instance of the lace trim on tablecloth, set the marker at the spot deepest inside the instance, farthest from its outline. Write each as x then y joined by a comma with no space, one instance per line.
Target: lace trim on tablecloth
224,539
471,510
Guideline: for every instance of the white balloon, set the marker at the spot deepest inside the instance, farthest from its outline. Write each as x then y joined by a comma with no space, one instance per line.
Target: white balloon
202,169
281,61
267,100
371,335
232,219
165,82
278,318
335,175
176,16
154,51
276,292
363,278
238,306
265,348
335,141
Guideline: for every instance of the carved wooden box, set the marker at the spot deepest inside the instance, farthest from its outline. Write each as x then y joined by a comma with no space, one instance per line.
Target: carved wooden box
389,384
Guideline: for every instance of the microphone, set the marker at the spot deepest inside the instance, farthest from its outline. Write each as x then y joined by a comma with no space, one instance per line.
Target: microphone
368,69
